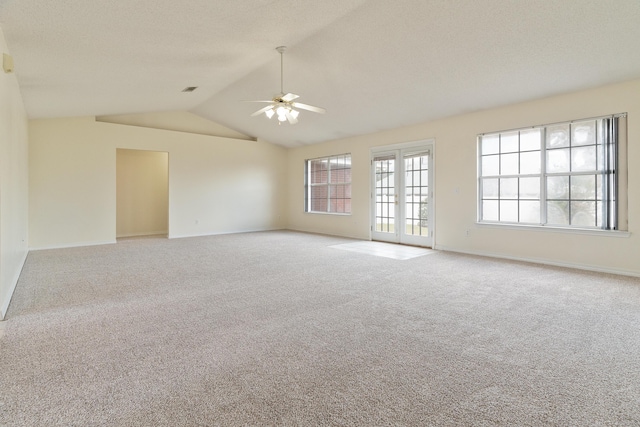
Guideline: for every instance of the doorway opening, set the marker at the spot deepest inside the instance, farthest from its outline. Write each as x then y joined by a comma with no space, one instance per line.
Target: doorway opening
402,194
142,193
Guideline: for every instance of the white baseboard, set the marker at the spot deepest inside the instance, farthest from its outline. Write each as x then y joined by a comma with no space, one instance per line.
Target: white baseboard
14,282
72,245
257,230
578,266
147,233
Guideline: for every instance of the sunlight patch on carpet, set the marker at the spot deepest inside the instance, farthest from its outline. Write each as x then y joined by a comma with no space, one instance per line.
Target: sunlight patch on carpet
386,250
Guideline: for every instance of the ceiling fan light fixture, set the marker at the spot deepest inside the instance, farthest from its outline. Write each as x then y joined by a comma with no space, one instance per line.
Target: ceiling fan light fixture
282,104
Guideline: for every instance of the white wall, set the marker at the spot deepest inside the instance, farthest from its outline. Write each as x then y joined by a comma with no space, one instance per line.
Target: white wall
13,183
216,185
142,193
455,183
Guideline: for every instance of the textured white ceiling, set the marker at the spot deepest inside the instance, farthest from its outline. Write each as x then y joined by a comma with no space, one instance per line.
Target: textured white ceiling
373,65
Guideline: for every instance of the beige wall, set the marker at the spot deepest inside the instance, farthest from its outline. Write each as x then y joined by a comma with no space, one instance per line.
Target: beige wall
455,183
13,183
216,185
142,192
182,121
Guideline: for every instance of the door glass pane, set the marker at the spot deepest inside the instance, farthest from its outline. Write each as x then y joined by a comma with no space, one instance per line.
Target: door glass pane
385,194
416,194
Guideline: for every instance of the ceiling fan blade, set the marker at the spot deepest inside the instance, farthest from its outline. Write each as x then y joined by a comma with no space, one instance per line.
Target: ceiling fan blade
289,97
291,118
259,101
308,107
262,110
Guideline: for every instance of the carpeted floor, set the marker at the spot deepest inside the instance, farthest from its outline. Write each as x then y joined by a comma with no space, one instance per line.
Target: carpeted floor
279,328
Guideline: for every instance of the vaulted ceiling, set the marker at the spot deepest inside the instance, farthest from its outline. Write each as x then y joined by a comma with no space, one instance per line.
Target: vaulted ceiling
374,65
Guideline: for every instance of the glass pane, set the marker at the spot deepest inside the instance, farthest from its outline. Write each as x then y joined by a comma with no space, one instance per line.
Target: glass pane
509,164
558,212
599,214
490,144
599,194
583,214
319,205
490,210
558,136
583,187
490,165
583,133
509,142
337,175
530,139
347,205
530,211
490,188
558,160
509,210
530,188
319,192
583,158
530,162
600,156
558,187
509,188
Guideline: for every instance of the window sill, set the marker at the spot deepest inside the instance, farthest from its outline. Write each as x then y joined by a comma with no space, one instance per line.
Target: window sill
552,229
327,213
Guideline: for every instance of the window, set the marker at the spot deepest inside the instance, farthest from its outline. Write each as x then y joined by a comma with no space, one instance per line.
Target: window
561,175
328,184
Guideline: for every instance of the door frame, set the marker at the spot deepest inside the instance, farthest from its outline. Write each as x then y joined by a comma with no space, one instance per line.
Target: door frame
407,148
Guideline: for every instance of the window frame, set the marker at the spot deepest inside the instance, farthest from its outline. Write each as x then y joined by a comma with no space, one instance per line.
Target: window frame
612,196
346,184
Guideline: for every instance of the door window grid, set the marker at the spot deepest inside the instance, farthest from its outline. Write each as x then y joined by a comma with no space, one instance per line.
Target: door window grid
416,194
569,180
328,184
385,193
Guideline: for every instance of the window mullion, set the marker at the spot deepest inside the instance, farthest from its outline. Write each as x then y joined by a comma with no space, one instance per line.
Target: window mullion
543,176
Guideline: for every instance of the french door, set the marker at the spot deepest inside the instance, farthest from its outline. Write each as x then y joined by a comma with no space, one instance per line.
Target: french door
402,196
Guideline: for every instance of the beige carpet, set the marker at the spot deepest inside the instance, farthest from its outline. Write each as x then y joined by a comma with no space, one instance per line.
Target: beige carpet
278,328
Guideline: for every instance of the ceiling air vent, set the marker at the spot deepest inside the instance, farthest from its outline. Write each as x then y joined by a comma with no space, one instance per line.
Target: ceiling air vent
190,88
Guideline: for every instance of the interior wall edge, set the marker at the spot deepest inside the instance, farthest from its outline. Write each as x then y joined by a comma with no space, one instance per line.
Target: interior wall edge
14,282
577,266
72,245
222,233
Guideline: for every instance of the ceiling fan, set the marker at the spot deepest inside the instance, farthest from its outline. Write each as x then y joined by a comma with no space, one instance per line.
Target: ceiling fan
283,105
